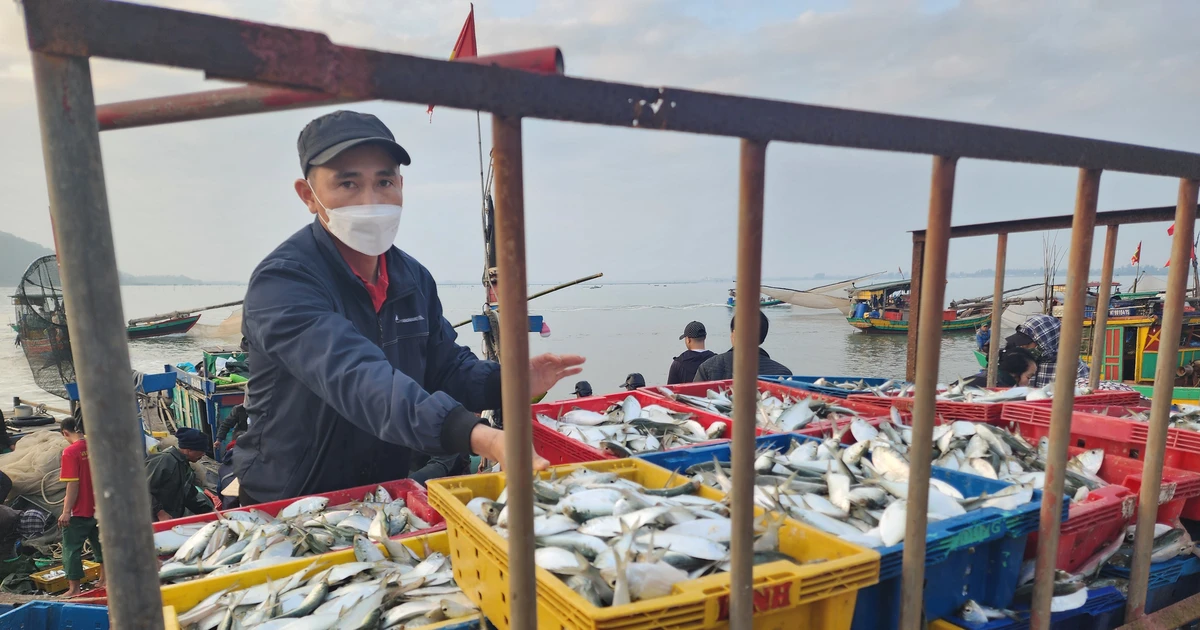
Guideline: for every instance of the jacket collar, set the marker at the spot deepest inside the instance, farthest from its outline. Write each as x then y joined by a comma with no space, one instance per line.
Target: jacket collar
400,279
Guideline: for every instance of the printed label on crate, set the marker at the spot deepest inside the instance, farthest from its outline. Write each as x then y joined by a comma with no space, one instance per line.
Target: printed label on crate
766,598
1128,506
976,534
1167,493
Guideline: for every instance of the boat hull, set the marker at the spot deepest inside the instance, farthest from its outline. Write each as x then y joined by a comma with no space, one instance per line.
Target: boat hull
731,302
878,325
175,326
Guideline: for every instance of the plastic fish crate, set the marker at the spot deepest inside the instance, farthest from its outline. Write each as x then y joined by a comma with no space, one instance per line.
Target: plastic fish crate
561,449
1090,526
412,492
1121,437
807,382
1105,609
944,410
1170,581
186,595
55,616
778,389
820,593
54,579
825,428
973,556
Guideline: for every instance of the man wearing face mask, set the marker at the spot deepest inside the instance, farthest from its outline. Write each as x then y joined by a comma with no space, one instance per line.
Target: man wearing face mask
354,364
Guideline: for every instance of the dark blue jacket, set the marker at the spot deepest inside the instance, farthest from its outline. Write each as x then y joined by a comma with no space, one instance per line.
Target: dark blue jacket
339,393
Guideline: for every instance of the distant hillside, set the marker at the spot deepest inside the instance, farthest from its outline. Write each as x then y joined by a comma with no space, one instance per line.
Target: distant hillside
16,254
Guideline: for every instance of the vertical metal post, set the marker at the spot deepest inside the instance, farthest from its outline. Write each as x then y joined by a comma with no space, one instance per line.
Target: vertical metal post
514,347
933,274
997,309
1083,226
1100,319
752,168
88,264
1160,403
914,307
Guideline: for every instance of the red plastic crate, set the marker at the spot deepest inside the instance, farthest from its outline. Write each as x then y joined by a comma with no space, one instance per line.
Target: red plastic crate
1098,398
1120,437
1090,526
779,390
414,497
560,449
823,428
945,410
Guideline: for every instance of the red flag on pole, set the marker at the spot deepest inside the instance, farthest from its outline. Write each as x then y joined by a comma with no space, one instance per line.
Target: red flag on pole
1171,230
1137,255
1193,255
465,46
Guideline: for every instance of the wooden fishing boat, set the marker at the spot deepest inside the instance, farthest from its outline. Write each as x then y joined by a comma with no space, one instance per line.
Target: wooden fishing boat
884,308
763,300
161,328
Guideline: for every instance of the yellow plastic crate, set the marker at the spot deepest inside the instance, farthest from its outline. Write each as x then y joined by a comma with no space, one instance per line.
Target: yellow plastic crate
185,595
786,595
942,624
54,579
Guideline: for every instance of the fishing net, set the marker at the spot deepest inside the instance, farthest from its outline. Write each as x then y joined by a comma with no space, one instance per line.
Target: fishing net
42,326
33,467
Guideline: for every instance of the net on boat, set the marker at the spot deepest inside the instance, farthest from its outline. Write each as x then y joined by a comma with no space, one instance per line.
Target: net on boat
42,326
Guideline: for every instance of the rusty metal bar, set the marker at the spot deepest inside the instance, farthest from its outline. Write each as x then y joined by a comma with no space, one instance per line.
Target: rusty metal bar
88,264
752,180
1174,616
997,309
1156,214
1100,319
1160,403
937,247
258,53
514,347
914,308
1078,264
253,99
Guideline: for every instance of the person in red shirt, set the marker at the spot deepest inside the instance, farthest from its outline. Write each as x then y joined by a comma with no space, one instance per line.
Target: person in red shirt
78,520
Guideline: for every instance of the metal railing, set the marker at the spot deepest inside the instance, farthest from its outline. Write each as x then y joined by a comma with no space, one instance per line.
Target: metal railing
63,34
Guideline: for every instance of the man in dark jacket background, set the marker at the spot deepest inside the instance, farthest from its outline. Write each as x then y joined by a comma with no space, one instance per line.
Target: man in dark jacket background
173,484
353,361
683,368
720,367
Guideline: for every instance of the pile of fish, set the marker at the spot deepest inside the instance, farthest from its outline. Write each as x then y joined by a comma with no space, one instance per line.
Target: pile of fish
887,388
251,539
626,428
858,493
373,592
1071,590
1187,417
614,541
781,415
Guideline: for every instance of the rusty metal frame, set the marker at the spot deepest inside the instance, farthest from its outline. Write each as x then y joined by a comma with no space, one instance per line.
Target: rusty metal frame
63,34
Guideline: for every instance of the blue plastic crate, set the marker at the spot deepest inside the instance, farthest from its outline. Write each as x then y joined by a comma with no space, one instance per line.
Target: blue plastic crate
55,616
806,383
1170,581
975,556
1104,610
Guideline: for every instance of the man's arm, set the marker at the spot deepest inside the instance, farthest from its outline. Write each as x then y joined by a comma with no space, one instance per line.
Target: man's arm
196,501
291,320
69,502
673,375
157,478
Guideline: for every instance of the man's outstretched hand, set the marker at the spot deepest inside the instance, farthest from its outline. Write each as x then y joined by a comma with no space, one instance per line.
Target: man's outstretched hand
545,370
488,443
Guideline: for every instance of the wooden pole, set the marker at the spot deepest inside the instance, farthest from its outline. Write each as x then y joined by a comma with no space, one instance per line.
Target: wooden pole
1160,403
1078,263
997,310
514,347
1100,319
745,380
914,307
933,272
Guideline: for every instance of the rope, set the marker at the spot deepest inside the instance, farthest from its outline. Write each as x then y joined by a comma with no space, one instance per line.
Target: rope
44,497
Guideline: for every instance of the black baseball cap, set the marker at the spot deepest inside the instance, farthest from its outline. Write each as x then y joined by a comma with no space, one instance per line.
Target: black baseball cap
325,137
583,389
1018,339
694,330
634,381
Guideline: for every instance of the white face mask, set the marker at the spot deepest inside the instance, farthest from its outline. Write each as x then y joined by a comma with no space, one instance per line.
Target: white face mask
368,229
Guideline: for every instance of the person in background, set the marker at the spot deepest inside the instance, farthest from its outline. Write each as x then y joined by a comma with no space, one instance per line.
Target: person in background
173,485
683,367
634,381
1042,332
583,389
1016,368
983,337
720,367
78,519
236,421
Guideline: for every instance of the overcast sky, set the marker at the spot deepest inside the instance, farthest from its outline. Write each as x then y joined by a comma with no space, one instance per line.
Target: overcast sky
210,199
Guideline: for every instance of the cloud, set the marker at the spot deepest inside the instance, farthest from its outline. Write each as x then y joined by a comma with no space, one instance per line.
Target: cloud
211,198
